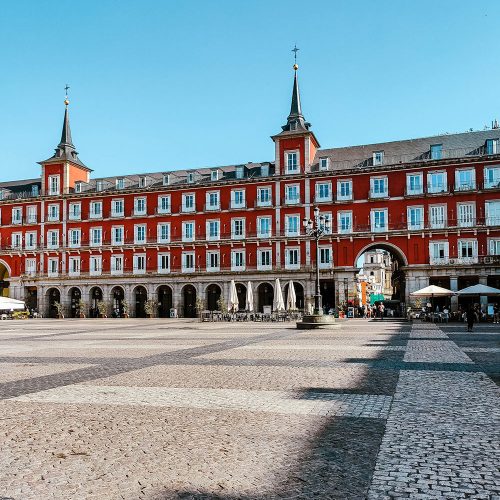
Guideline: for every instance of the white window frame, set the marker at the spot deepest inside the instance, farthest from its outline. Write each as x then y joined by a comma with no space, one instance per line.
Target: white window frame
328,197
161,257
324,163
270,232
445,245
164,207
32,214
74,238
95,265
288,230
159,228
492,219
215,237
378,158
433,223
17,215
75,211
115,268
466,223
30,235
30,266
495,181
53,212
53,243
93,241
54,185
139,263
235,236
209,255
465,186
53,270
114,241
139,228
238,266
295,198
184,207
296,164
414,191
322,264
16,241
288,252
117,203
95,214
74,266
418,226
438,188
375,227
238,203
494,246
374,182
209,206
185,268
138,209
340,229
268,202
264,267
185,224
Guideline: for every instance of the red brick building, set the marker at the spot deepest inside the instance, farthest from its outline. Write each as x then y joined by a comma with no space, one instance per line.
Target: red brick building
433,203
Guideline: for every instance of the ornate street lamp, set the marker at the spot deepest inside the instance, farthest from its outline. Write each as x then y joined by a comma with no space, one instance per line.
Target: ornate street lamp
316,228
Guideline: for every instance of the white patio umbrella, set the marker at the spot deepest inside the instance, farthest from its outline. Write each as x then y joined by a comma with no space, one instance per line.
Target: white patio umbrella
480,290
8,304
249,300
433,291
233,302
278,302
291,298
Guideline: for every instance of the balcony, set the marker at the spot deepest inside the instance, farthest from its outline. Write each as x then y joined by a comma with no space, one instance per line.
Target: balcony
212,208
377,195
188,209
454,261
469,186
263,203
293,200
237,206
437,189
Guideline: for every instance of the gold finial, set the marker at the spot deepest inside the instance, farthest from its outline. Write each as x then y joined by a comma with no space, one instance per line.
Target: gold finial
295,66
66,100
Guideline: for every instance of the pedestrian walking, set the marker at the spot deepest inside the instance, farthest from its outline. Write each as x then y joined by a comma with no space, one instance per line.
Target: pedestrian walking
471,318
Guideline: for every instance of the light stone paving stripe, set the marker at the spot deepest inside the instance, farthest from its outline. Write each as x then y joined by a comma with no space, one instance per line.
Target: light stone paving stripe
280,402
481,349
442,433
319,347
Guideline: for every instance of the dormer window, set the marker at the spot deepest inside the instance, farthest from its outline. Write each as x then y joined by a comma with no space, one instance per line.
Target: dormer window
378,157
323,163
142,182
120,183
240,170
34,190
436,151
214,175
166,179
293,125
99,186
492,146
78,187
292,162
190,178
264,170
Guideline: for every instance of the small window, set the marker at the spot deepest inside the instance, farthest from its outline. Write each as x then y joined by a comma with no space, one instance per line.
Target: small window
166,179
240,170
264,170
142,182
120,183
323,163
190,178
378,157
492,147
436,151
99,186
214,175
34,190
78,187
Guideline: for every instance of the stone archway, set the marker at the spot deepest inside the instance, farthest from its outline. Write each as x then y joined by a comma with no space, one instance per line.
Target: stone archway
141,297
164,298
117,299
75,294
54,297
241,291
189,301
4,279
213,293
95,296
265,295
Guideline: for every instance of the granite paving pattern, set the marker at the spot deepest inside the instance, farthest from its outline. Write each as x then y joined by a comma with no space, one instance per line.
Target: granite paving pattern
161,409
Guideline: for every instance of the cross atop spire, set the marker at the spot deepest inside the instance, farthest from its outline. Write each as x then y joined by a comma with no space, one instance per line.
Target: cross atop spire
65,150
295,120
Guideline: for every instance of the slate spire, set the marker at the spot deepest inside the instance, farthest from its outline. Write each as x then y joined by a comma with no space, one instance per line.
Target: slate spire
295,120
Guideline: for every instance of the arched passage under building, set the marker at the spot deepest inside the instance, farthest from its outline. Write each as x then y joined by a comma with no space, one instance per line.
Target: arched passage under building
117,298
214,293
265,295
241,291
95,296
141,297
4,279
381,267
75,295
189,301
54,298
164,299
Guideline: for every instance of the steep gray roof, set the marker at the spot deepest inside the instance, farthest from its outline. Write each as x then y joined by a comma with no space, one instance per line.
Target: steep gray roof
453,146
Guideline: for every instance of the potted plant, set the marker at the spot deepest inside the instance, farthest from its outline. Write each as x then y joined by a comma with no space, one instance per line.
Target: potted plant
59,310
82,306
126,309
149,307
200,305
102,307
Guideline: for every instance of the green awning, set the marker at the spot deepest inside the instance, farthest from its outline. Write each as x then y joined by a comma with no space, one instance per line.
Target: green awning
376,297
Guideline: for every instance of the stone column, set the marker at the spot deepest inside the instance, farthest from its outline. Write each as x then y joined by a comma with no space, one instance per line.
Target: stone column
483,280
454,288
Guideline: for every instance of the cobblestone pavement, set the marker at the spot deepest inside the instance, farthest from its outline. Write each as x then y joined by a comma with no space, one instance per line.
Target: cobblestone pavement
160,409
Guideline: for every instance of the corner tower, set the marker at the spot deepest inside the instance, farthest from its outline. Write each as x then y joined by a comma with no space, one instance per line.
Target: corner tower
295,145
62,170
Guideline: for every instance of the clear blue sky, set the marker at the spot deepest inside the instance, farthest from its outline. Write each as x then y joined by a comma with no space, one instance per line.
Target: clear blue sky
162,85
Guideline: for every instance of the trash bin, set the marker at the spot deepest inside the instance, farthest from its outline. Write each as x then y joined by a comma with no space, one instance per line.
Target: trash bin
173,313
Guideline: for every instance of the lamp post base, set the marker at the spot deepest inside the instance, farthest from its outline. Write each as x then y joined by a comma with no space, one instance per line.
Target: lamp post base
316,321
